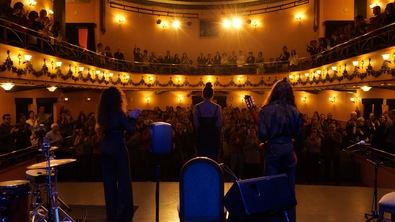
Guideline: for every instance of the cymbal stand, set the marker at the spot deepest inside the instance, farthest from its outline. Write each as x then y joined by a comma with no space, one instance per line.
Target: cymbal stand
54,209
374,214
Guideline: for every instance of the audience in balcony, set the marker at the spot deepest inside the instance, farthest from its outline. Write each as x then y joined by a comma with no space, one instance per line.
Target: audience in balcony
360,27
284,57
119,55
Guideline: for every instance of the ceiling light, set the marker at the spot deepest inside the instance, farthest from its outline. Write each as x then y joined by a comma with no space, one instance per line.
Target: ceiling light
7,86
366,88
52,88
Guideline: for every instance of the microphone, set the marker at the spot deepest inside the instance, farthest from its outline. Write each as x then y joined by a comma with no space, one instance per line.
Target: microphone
360,143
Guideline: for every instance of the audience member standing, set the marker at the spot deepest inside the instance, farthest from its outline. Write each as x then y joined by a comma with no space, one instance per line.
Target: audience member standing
7,135
207,120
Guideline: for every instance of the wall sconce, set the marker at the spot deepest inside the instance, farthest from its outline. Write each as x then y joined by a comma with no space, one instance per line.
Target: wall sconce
52,88
307,75
7,86
88,99
356,66
299,17
66,99
385,67
81,69
29,66
147,100
120,19
366,88
354,99
180,100
254,23
332,99
58,64
28,58
303,99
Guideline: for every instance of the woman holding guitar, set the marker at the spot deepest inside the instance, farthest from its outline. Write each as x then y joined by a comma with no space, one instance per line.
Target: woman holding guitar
279,125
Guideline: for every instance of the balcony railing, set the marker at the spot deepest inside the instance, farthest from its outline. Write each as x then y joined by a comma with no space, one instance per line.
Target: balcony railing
16,35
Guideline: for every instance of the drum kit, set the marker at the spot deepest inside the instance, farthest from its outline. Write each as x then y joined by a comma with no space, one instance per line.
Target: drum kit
14,195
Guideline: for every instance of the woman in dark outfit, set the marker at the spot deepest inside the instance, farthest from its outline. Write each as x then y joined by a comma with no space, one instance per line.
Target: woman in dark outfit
112,124
280,125
207,118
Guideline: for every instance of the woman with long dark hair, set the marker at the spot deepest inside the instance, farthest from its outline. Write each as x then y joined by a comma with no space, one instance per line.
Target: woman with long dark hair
207,120
280,124
113,121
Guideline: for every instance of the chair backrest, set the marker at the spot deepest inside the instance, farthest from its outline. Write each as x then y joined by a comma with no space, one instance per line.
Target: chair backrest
201,190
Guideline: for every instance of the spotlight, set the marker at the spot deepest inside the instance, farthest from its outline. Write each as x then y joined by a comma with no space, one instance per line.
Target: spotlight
158,21
226,23
236,23
176,24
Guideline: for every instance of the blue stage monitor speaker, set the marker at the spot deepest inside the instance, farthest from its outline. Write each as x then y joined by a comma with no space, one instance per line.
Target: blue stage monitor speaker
161,138
260,196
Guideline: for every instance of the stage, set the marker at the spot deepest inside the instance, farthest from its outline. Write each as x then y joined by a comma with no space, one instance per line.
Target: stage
315,203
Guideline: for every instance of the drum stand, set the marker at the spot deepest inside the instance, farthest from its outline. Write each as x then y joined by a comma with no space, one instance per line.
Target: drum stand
56,213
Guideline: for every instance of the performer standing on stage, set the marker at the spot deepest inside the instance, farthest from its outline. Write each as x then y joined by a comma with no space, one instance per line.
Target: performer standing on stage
207,119
280,124
113,121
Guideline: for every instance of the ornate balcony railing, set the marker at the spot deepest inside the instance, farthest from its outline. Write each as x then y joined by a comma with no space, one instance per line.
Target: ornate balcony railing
16,35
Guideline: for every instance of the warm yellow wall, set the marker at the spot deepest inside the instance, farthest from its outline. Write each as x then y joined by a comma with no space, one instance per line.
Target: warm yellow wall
278,29
337,10
82,11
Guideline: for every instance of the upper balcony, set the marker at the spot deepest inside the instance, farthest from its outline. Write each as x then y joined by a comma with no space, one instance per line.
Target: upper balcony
30,57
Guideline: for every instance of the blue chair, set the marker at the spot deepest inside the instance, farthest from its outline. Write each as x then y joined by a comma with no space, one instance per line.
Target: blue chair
387,205
201,191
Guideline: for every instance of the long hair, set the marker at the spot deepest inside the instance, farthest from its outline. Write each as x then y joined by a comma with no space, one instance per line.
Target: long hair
281,93
112,102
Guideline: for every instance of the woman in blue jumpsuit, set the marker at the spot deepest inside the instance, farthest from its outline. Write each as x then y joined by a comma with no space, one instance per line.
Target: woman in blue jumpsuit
113,122
280,124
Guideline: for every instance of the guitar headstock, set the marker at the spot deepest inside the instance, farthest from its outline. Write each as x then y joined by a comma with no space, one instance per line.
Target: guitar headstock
249,102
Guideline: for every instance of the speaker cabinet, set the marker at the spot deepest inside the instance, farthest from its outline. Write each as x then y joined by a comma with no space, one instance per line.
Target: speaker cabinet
260,196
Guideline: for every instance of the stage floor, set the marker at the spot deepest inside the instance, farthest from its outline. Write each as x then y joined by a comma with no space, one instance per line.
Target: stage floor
315,203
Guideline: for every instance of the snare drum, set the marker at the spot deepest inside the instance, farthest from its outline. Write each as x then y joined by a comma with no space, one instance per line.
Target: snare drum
14,201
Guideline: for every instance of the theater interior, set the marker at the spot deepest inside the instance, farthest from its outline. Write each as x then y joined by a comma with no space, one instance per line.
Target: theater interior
57,57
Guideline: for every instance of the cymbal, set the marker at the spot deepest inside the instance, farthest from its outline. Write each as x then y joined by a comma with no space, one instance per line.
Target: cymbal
14,183
37,173
53,163
53,148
